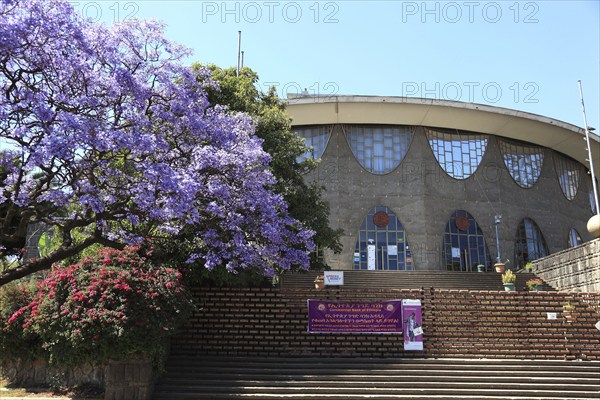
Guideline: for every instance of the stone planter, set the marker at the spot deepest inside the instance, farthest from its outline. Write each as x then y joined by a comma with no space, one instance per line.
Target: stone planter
500,267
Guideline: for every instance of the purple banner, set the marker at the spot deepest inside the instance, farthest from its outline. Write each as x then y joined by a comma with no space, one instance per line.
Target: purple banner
354,317
412,321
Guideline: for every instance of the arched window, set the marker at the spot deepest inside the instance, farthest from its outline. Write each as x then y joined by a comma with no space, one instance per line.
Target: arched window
378,148
568,172
315,139
458,153
382,243
464,244
524,162
529,243
593,205
574,238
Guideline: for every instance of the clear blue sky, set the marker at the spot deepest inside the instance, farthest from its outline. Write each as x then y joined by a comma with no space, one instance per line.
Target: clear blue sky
524,55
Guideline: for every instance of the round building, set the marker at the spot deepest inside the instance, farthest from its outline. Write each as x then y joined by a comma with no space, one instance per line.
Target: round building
424,184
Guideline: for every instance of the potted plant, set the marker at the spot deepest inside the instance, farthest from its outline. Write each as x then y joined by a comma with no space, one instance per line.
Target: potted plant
500,267
508,280
320,282
480,268
534,284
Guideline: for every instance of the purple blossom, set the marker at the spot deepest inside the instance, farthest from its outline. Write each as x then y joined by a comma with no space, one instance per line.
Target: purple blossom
107,124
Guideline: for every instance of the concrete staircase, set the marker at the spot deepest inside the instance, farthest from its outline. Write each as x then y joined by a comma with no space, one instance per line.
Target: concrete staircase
320,379
411,280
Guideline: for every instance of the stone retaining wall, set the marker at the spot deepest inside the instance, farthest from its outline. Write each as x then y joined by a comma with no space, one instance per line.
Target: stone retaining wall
121,380
456,323
576,269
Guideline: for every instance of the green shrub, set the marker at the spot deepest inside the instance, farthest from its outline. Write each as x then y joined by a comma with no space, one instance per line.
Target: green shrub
15,298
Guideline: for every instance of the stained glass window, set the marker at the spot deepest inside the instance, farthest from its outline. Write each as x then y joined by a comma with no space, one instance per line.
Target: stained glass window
458,153
574,238
568,172
382,243
524,162
593,205
315,139
529,243
379,149
464,244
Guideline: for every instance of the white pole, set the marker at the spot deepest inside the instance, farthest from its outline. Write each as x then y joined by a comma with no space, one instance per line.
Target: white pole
589,149
239,52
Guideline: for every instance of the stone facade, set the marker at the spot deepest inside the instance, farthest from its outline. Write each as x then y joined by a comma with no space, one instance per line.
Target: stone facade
576,269
37,373
423,197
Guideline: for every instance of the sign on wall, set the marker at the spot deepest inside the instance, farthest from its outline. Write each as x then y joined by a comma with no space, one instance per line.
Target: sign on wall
412,322
354,317
392,250
371,257
334,278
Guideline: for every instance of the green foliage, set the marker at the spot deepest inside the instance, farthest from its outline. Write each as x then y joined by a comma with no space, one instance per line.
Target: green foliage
115,304
305,201
15,342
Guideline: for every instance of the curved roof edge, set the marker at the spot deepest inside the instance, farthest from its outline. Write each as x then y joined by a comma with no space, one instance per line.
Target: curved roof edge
558,135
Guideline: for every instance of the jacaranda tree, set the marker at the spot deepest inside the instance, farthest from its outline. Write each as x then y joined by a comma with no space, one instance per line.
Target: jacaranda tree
106,137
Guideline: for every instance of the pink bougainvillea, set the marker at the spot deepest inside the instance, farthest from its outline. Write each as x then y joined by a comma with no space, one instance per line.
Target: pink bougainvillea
113,305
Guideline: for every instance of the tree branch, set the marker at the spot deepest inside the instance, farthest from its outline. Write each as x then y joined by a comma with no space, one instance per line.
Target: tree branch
40,264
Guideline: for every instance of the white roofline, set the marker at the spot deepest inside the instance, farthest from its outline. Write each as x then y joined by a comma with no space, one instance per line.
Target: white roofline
434,102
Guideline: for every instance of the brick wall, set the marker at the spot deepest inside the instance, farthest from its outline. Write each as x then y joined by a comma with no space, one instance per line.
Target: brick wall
456,323
576,269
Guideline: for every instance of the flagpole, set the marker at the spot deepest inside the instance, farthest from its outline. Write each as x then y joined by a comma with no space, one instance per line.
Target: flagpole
589,149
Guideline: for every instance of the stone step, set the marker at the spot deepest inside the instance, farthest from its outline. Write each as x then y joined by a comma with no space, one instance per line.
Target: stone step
411,280
219,396
263,378
188,378
366,392
402,365
281,384
531,371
